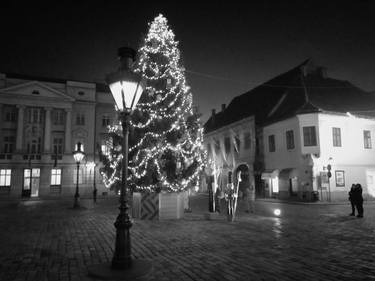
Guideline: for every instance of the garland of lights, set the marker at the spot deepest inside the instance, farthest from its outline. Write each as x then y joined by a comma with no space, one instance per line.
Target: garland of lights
160,121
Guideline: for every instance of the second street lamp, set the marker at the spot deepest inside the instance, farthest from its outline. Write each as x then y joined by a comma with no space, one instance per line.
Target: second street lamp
78,155
126,88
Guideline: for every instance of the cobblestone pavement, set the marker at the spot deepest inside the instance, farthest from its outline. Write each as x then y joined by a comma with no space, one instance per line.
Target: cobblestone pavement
47,240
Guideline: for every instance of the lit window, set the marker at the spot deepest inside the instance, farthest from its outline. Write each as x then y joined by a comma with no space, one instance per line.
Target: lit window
336,134
271,143
56,177
5,175
367,139
289,139
309,136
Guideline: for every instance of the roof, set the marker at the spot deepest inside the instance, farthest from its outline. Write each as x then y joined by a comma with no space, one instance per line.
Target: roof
100,87
303,89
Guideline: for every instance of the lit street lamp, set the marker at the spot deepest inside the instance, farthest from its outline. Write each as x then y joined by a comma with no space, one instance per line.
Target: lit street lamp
78,155
126,88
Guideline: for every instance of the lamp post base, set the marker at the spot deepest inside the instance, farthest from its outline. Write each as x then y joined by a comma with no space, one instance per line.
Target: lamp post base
139,270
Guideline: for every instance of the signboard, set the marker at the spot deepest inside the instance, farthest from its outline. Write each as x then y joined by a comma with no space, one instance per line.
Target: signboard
340,178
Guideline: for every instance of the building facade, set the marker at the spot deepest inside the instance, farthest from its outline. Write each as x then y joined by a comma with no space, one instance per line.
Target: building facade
41,122
298,151
230,148
313,135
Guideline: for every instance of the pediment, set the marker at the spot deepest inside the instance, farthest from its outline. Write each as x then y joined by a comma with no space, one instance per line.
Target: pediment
35,89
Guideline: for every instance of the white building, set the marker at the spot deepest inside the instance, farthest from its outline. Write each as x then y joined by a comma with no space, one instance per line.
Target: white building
41,120
299,150
304,123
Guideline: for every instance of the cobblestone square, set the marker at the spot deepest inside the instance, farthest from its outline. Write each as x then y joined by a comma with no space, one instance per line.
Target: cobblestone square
47,240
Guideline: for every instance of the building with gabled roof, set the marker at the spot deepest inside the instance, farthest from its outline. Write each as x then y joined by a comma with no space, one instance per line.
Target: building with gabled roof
303,119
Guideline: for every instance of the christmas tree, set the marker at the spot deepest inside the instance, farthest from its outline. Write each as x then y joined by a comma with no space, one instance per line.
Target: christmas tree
166,137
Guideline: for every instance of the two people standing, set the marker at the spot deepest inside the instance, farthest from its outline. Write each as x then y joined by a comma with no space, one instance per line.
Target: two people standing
356,200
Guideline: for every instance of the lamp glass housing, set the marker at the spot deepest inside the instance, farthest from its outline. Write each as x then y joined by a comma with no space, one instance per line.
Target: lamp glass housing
78,154
126,88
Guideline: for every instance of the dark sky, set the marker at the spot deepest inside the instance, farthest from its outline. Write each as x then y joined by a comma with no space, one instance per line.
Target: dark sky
230,46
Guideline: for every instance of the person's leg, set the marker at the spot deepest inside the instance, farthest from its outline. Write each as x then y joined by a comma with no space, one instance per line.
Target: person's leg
353,208
360,210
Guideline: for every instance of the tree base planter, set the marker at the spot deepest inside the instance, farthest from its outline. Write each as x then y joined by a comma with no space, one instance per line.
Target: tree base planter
150,206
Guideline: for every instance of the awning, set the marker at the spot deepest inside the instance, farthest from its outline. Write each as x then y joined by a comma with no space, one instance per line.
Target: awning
267,174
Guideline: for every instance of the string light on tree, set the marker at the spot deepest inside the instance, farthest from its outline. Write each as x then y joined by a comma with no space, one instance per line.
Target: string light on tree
166,136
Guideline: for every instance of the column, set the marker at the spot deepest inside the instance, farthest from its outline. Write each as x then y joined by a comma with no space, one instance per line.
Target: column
68,131
20,121
47,130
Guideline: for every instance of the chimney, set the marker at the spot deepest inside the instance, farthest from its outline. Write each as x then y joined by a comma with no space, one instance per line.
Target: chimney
222,106
213,117
126,55
322,71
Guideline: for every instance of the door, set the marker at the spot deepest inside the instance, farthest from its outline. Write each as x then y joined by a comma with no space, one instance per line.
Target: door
31,180
370,178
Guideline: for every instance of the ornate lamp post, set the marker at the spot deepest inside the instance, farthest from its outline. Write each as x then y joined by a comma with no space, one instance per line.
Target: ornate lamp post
329,175
126,88
78,155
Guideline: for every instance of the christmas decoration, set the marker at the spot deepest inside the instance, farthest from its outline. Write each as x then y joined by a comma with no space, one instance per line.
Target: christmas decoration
166,138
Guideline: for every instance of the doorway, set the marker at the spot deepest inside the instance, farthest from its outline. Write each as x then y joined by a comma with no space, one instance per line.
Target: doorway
31,180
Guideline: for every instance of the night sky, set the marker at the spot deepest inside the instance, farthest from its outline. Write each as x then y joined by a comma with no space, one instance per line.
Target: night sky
228,47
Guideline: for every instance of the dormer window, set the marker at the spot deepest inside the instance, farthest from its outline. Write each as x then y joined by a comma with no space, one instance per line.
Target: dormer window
35,92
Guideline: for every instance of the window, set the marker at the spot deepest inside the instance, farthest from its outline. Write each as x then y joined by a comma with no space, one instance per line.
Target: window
105,120
10,113
271,143
227,145
80,119
336,134
9,144
289,139
367,139
34,146
5,175
58,117
34,115
58,145
56,177
309,136
247,140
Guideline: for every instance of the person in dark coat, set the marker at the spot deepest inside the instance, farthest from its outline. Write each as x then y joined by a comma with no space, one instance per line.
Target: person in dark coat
351,199
358,200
